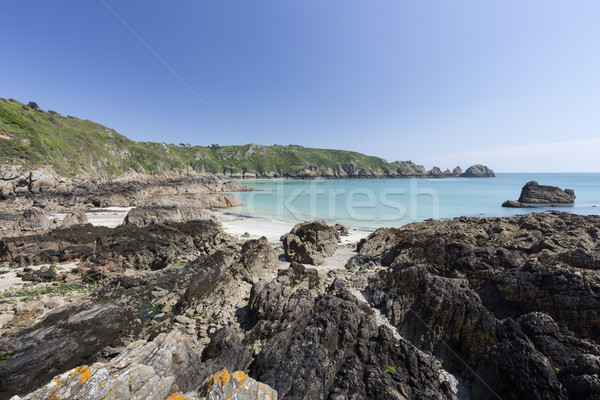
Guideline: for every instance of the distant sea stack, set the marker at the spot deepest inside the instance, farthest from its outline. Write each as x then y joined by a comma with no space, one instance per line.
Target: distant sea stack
534,193
478,171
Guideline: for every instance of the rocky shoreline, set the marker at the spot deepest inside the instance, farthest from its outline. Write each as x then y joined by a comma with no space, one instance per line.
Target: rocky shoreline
350,172
168,302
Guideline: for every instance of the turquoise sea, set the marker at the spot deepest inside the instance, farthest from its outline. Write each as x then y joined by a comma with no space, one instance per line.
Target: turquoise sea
372,203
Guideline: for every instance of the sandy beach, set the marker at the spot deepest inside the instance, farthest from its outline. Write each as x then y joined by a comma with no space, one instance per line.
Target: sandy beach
238,225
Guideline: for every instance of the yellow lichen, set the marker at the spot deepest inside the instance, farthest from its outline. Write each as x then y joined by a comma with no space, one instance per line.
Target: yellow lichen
176,396
220,378
240,377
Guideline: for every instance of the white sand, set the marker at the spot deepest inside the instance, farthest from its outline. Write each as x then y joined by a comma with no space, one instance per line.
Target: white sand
237,226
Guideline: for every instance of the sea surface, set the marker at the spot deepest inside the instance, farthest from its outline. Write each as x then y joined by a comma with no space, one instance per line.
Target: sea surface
373,203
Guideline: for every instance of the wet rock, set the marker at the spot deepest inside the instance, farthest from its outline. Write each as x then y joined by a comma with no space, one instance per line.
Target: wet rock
310,242
515,204
535,193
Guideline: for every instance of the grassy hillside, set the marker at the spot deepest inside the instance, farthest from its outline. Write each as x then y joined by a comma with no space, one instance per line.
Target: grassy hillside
34,137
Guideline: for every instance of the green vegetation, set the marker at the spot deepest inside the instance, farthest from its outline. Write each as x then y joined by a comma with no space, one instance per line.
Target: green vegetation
33,137
60,290
390,369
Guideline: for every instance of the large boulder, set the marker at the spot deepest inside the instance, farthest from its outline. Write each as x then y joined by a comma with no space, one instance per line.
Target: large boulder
535,193
310,242
77,217
478,171
33,221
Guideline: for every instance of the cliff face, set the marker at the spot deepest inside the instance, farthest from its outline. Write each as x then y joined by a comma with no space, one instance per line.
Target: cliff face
39,147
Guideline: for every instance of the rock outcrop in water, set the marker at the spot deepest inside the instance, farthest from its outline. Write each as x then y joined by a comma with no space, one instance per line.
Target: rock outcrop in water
535,193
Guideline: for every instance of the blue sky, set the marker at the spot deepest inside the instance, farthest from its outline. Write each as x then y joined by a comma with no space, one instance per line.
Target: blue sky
520,92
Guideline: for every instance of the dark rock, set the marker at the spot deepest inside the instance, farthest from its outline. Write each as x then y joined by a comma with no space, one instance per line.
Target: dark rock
63,340
342,230
534,193
457,287
310,242
435,172
44,274
125,247
331,347
457,171
478,171
515,204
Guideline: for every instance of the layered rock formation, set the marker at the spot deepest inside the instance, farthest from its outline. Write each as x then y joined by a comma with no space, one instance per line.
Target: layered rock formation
510,304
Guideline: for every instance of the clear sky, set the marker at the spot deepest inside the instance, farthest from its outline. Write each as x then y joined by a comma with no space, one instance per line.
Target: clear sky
519,92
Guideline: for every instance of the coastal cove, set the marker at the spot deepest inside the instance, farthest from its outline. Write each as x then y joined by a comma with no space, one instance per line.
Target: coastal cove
368,204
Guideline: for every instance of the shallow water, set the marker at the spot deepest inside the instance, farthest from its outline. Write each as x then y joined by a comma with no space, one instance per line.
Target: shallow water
372,203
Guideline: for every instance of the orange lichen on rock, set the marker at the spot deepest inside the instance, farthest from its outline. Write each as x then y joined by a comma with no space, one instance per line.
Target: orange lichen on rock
176,396
240,377
83,372
220,378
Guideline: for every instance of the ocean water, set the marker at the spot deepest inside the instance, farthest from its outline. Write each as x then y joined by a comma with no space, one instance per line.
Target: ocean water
373,203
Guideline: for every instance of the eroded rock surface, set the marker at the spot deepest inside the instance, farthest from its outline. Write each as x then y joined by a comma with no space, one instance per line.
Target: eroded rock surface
507,303
535,193
310,242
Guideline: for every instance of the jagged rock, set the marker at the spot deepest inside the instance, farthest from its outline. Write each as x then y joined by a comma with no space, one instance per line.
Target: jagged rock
331,347
435,172
10,171
224,386
166,367
457,287
33,221
256,256
63,340
77,217
342,230
457,171
478,171
534,193
310,242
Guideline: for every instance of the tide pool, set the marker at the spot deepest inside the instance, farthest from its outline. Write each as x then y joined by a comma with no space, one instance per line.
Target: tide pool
373,203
